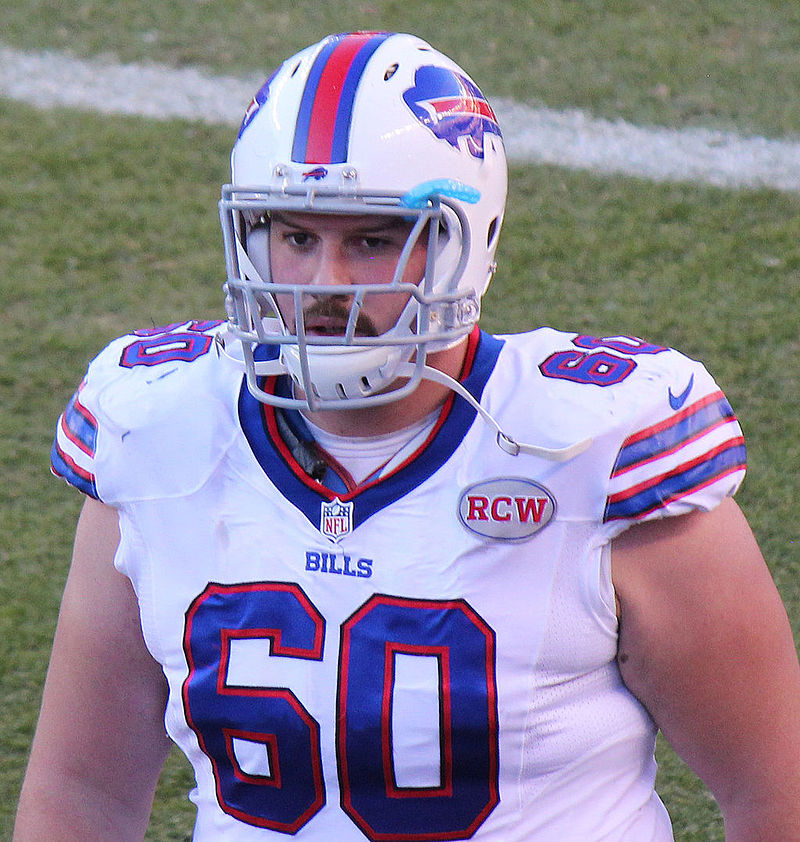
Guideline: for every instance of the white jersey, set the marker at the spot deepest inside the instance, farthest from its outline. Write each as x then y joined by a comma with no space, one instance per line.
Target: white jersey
427,656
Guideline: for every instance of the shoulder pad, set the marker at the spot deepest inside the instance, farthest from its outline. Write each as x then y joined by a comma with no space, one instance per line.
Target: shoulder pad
666,439
153,416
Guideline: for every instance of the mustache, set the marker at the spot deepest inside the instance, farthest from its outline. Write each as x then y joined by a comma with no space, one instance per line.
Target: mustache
329,308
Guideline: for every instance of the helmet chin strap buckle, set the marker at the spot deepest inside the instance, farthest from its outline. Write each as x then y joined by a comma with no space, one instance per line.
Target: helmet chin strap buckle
508,444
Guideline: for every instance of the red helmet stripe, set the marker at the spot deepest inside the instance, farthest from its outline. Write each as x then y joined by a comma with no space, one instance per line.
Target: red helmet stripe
323,122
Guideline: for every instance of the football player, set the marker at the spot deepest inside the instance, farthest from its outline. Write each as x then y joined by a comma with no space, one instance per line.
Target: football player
383,575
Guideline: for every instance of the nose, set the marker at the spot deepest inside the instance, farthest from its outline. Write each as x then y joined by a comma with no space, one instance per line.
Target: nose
331,267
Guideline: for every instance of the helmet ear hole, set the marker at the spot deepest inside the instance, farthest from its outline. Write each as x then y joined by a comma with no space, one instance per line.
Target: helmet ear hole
390,71
492,234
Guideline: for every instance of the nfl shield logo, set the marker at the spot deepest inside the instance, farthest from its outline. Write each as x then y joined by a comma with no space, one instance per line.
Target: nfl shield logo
336,519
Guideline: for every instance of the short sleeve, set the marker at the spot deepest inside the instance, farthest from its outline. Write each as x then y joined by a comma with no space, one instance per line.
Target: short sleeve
152,417
685,453
72,456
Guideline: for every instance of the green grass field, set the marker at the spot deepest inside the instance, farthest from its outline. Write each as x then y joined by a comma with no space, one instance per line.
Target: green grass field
110,223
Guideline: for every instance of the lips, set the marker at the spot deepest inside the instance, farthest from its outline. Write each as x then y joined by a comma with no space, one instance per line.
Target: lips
324,326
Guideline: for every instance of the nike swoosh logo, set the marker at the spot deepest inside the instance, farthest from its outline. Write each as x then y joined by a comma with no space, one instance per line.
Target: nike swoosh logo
677,401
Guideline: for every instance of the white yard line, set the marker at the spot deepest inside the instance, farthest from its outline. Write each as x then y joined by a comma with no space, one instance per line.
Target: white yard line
570,138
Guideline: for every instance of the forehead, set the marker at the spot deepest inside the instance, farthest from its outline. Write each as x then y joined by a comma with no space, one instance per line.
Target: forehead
339,223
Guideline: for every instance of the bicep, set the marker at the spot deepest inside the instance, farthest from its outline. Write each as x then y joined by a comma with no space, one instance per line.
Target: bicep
705,644
101,721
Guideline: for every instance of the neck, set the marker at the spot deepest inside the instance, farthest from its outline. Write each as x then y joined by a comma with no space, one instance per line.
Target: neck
389,417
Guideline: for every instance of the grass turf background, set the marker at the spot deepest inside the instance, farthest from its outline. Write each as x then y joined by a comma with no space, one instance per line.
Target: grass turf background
109,223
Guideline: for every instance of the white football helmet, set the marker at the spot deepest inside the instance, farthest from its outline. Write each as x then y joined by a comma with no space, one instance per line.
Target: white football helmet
363,123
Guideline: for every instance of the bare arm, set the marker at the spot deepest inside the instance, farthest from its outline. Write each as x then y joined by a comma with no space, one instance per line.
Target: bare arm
705,644
100,742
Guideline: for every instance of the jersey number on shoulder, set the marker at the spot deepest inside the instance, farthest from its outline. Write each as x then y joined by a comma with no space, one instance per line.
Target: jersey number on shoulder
598,367
264,745
168,343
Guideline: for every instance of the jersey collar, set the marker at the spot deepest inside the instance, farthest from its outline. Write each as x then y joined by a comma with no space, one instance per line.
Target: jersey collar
261,427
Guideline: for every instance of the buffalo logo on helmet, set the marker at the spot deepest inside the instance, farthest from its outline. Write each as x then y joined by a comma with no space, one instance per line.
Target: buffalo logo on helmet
452,107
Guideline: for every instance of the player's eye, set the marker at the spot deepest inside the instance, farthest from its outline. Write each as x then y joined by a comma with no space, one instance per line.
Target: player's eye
372,243
297,239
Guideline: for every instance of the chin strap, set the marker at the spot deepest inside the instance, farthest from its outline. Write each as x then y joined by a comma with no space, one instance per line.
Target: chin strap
504,441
